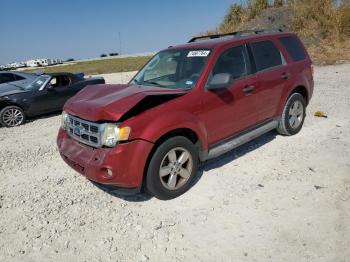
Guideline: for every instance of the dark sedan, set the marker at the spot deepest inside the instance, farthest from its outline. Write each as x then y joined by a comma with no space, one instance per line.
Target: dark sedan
39,94
10,76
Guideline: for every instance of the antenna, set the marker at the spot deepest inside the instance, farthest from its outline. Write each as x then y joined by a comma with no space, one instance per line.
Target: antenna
121,59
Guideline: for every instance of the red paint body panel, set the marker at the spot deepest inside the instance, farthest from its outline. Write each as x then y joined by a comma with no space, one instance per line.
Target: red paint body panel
212,116
228,111
110,102
156,122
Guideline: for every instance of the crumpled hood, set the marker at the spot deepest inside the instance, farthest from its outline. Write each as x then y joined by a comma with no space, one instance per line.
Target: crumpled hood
111,102
7,89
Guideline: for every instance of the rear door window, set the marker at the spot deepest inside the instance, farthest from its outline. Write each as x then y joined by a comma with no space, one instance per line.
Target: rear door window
266,55
294,47
6,78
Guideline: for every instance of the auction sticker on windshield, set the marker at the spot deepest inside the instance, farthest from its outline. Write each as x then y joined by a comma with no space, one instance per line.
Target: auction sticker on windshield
198,53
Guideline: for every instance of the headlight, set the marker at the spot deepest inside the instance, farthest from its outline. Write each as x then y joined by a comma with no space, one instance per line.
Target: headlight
64,119
4,98
112,134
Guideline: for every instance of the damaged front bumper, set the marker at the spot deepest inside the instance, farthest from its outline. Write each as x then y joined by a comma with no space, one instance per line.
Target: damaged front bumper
122,166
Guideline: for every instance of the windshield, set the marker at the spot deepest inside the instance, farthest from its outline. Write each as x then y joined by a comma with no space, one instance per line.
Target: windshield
38,82
173,69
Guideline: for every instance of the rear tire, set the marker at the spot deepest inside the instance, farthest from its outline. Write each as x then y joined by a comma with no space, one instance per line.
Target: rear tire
12,116
172,168
293,115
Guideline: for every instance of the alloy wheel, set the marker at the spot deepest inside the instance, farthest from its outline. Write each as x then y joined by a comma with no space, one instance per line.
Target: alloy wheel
12,117
296,114
176,168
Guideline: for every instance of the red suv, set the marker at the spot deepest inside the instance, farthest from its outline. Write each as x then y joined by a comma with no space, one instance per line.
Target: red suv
189,103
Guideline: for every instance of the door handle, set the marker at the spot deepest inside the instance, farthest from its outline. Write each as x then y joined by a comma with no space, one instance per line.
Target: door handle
285,75
248,89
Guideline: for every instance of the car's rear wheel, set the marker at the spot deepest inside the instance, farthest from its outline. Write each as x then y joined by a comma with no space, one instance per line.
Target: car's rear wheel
293,115
172,168
11,116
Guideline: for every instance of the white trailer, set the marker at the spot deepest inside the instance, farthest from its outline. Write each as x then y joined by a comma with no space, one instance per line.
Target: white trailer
42,62
33,63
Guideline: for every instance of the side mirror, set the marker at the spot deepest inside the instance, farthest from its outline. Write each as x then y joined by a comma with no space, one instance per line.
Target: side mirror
220,81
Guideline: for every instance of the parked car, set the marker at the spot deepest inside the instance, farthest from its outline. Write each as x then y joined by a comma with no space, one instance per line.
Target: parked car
38,94
9,76
189,103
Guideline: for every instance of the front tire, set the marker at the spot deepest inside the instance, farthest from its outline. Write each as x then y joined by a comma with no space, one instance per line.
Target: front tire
12,116
293,115
172,168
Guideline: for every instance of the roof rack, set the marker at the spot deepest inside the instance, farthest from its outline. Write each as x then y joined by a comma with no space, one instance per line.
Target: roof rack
235,34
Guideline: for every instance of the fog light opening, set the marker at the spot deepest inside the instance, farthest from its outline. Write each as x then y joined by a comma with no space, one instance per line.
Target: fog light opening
109,173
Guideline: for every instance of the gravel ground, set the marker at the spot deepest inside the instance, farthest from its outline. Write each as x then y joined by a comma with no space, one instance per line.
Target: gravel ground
274,199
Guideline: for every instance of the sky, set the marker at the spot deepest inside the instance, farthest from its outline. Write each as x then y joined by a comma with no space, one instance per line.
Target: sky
86,29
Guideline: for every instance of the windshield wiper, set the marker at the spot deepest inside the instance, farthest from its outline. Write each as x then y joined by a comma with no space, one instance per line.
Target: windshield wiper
153,83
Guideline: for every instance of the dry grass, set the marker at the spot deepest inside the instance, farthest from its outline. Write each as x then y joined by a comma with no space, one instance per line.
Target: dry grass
324,25
330,52
103,66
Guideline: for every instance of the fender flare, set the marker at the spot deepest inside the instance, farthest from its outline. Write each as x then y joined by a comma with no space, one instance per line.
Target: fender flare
173,121
4,104
300,84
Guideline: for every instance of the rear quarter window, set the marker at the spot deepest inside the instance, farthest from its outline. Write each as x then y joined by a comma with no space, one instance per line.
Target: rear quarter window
18,77
266,55
6,78
294,47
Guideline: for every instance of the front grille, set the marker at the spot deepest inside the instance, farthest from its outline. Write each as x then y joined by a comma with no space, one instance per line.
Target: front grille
94,129
84,131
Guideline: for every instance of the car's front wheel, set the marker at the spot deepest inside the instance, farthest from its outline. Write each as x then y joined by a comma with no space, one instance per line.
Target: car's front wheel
293,115
172,168
11,116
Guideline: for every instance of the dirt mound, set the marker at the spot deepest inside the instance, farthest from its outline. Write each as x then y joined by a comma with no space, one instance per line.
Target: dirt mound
324,26
279,18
